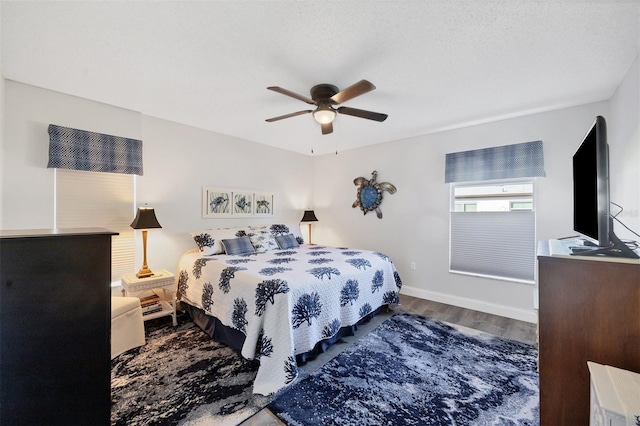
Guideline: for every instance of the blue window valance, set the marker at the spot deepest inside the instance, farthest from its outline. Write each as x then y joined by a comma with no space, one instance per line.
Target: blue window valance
501,162
95,152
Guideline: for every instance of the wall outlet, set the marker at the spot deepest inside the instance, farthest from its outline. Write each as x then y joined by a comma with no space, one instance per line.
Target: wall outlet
412,265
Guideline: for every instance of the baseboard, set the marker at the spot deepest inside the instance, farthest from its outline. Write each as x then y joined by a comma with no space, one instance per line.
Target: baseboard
476,305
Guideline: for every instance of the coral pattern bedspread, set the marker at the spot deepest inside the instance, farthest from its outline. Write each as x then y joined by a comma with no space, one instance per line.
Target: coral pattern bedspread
285,301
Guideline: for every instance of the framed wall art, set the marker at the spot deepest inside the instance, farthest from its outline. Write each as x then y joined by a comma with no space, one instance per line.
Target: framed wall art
216,202
263,204
224,203
242,203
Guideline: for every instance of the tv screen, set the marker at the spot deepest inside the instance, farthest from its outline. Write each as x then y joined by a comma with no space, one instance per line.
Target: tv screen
591,204
591,185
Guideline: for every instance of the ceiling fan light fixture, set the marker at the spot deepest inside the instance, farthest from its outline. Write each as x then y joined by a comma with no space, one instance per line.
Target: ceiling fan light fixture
324,114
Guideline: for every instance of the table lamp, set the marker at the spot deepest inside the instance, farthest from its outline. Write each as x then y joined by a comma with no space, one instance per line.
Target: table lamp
309,216
145,219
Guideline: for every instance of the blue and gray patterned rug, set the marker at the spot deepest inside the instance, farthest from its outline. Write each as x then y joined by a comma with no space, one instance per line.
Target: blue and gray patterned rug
181,376
413,370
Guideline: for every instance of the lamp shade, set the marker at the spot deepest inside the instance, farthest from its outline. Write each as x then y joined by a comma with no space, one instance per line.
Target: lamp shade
145,219
324,114
309,216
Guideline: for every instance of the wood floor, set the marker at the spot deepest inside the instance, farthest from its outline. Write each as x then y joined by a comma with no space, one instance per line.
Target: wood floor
493,324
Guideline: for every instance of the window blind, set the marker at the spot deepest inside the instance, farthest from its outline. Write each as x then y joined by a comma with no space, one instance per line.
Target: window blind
497,244
106,200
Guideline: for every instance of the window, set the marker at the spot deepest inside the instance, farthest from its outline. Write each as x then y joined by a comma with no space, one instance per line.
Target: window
95,186
493,220
493,198
99,200
493,229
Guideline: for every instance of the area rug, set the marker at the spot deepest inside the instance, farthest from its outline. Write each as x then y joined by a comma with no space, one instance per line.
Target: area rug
413,370
181,376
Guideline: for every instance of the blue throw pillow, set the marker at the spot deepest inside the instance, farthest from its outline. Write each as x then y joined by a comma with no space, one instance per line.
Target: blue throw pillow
240,245
287,241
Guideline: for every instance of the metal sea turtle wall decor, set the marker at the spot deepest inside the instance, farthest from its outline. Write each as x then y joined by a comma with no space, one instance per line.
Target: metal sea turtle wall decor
369,194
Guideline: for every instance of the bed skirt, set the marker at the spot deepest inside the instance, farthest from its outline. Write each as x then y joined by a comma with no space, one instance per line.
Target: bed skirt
235,338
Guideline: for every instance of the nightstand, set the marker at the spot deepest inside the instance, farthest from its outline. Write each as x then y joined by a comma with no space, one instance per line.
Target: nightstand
160,280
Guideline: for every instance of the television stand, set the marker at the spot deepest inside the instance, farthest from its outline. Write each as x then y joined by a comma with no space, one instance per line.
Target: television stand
617,249
589,310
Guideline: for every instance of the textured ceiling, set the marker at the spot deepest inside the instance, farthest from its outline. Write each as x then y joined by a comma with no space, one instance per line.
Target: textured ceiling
436,64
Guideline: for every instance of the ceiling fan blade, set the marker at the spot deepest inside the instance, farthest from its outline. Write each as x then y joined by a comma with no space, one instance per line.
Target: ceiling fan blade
292,94
293,114
370,115
327,128
360,88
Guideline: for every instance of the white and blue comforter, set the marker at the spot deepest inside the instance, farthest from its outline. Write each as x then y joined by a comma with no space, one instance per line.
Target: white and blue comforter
285,301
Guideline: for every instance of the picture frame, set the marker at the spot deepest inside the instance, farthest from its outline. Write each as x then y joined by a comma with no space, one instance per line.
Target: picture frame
237,203
216,202
263,204
243,203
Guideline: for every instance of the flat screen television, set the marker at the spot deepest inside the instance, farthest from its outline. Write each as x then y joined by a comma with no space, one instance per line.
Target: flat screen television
591,203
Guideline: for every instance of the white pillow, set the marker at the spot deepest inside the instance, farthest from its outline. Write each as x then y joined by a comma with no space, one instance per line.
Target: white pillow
287,228
262,239
209,241
205,242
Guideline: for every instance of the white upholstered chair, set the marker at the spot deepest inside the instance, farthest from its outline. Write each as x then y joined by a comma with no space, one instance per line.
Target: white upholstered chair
127,325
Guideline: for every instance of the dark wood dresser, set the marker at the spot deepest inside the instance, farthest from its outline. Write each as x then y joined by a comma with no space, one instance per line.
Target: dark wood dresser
55,323
589,310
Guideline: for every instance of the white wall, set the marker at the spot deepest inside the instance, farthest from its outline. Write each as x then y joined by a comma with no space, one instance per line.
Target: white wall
178,161
623,131
415,226
27,185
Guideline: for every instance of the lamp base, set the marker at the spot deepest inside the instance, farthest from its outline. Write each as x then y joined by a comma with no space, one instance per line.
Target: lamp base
144,272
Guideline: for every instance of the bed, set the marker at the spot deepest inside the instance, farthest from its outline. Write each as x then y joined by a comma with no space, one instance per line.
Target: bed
276,300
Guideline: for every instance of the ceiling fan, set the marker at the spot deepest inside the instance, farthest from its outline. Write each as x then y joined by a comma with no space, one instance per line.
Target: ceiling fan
324,97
